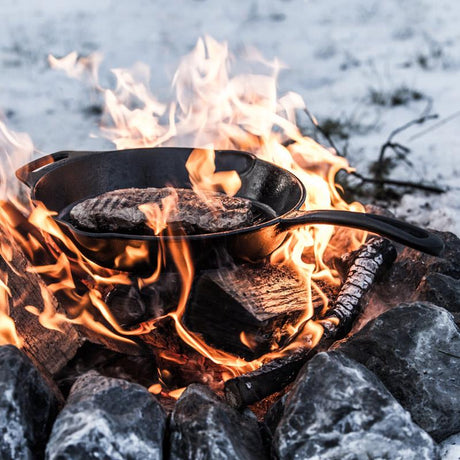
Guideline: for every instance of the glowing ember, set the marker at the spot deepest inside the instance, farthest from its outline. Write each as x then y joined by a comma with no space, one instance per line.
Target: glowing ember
212,110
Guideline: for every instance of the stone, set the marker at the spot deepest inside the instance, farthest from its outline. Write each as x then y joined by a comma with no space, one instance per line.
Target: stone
449,449
274,414
441,290
27,407
204,427
108,418
339,410
415,350
410,269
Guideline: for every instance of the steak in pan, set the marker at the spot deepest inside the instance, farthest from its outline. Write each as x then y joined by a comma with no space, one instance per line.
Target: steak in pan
118,211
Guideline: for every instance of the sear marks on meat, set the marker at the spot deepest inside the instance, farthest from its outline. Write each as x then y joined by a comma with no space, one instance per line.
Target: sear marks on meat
118,211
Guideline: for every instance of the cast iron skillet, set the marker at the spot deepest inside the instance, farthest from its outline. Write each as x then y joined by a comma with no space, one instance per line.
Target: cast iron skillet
63,178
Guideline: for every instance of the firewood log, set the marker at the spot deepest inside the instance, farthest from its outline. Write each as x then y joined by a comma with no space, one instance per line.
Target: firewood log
49,349
259,301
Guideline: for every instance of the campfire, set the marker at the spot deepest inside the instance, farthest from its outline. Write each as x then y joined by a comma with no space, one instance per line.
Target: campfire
209,275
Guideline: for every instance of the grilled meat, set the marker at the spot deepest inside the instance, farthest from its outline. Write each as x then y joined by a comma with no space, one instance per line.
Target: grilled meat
118,211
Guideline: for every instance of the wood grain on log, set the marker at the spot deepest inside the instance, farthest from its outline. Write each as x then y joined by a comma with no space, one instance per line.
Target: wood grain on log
258,300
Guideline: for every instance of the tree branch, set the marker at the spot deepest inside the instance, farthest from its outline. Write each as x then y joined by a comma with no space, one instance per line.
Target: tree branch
400,183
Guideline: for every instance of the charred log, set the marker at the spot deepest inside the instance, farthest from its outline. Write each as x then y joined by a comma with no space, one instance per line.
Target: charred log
254,386
246,310
369,263
131,305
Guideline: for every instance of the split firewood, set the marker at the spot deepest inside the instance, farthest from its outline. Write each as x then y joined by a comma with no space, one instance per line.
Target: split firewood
49,349
246,310
370,262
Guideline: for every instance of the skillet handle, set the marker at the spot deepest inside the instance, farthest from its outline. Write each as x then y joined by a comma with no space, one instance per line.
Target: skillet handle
395,229
30,173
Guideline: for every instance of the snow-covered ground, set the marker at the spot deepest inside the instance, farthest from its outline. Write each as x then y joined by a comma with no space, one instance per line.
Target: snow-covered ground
350,60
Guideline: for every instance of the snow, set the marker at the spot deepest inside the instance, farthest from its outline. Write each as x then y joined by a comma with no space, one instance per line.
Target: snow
335,51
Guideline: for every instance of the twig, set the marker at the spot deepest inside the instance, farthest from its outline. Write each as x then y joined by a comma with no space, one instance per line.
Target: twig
400,183
395,145
400,149
322,131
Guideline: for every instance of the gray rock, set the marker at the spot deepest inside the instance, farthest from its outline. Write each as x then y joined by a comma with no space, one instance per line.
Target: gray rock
441,290
274,414
204,427
414,349
107,418
27,407
450,448
339,410
409,270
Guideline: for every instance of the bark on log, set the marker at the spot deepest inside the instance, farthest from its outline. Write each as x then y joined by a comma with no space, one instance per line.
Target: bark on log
371,261
258,300
49,349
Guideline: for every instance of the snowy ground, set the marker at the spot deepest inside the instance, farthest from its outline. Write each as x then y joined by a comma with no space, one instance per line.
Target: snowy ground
350,60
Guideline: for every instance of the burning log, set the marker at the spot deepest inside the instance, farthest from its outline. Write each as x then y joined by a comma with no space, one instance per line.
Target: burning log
131,305
49,349
367,264
247,309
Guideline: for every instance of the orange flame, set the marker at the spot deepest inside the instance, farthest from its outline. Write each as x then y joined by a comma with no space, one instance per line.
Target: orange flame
213,109
156,215
201,168
8,334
